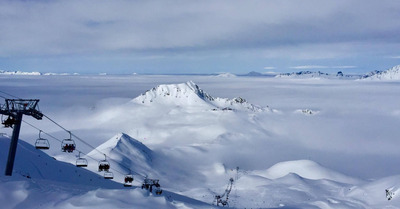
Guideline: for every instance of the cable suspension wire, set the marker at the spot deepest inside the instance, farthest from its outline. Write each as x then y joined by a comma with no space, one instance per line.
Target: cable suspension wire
9,95
81,140
75,149
89,145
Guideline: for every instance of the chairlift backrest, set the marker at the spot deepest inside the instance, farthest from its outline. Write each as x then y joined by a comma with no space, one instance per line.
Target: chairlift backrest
104,165
81,162
128,179
108,175
42,143
68,145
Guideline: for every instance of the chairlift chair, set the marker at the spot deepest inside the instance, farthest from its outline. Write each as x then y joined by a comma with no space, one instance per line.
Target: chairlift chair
9,122
149,183
68,145
104,165
42,143
81,162
128,180
108,175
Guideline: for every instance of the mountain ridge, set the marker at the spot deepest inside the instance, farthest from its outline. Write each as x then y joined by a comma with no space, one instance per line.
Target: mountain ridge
190,94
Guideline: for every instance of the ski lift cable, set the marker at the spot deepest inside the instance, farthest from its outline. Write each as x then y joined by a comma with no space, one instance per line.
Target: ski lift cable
89,145
9,95
75,149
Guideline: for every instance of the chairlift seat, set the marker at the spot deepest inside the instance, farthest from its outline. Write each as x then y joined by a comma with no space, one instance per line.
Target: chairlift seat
128,178
108,175
42,143
81,162
68,145
104,165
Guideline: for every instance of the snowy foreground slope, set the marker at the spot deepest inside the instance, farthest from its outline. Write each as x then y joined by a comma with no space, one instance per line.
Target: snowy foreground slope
194,143
40,181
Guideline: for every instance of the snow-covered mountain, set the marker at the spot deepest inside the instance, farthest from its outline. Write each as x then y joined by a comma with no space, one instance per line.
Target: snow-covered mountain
226,75
124,152
390,74
316,75
3,72
191,95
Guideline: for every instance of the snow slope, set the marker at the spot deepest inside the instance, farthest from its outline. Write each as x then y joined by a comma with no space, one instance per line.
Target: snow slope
390,74
40,181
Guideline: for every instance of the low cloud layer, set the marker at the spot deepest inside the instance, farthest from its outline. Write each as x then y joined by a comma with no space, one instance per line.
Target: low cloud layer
187,30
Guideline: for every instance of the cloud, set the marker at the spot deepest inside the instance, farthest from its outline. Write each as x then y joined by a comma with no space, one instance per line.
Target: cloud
269,68
135,30
309,67
93,26
322,67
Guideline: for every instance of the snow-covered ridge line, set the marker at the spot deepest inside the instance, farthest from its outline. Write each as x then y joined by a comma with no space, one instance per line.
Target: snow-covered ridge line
190,95
3,72
312,74
390,74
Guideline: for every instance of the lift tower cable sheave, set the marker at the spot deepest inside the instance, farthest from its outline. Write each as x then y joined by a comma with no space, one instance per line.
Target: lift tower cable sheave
15,109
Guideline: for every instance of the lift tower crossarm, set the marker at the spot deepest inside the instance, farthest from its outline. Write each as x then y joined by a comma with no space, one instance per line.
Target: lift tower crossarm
16,108
24,106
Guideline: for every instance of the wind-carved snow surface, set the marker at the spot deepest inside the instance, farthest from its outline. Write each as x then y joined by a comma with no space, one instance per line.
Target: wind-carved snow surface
390,74
190,95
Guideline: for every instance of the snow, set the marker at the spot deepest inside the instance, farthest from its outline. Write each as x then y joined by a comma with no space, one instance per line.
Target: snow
390,74
226,75
2,72
306,169
181,131
189,95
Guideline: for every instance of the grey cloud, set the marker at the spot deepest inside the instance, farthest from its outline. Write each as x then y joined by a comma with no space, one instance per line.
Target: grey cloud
89,27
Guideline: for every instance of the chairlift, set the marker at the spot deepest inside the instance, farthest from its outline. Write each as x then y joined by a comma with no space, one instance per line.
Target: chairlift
104,165
149,183
81,162
42,143
108,175
128,180
9,122
68,145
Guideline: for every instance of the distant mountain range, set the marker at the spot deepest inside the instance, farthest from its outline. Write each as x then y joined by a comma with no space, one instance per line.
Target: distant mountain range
389,74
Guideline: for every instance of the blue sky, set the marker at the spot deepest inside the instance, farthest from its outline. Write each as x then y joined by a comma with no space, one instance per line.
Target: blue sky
88,36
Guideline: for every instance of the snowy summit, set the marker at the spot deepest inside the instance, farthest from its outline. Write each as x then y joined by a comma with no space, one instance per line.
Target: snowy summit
190,95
